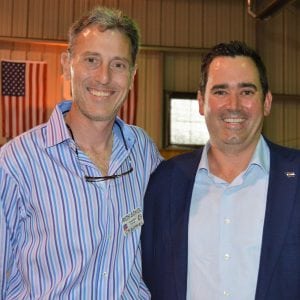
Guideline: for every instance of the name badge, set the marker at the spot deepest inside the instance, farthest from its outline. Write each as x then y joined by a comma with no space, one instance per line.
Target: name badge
132,220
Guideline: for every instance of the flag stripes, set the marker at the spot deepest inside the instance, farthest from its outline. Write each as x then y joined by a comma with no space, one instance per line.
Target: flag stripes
22,111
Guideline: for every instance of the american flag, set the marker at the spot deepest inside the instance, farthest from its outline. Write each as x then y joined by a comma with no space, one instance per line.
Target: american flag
23,100
128,110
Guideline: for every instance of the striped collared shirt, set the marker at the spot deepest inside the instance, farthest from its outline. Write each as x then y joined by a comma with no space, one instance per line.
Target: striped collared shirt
61,236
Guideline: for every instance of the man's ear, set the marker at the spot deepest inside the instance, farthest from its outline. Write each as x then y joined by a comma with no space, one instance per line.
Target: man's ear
65,62
200,98
268,104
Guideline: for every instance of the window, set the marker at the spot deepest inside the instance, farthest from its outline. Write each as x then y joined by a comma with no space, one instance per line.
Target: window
185,127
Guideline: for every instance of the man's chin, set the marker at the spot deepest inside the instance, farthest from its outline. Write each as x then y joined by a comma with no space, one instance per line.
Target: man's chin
99,117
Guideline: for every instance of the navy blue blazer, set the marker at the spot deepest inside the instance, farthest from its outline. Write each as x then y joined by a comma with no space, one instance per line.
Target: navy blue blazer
165,229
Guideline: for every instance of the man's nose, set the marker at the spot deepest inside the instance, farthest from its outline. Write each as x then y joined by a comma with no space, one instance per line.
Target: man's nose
233,101
103,73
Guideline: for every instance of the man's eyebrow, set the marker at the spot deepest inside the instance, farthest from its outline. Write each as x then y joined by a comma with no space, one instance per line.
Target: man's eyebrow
220,86
247,85
87,53
90,53
120,58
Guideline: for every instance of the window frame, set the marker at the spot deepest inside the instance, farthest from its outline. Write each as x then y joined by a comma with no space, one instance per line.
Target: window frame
168,95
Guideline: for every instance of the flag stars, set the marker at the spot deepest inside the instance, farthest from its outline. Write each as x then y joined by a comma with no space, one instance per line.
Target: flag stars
13,78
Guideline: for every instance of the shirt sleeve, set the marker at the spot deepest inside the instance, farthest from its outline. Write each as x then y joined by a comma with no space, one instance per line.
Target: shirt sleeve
9,210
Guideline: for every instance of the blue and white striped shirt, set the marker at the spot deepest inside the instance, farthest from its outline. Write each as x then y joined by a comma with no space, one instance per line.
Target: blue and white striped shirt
60,236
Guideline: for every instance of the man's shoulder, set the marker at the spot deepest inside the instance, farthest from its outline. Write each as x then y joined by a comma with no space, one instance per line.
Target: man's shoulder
24,143
131,132
284,151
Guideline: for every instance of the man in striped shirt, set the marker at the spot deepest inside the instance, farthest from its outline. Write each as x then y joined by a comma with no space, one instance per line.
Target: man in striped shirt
71,190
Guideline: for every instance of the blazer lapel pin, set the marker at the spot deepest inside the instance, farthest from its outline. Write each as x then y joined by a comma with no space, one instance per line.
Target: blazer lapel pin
290,174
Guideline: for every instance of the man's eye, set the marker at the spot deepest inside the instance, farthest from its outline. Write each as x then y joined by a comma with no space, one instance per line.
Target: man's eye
247,92
91,60
219,92
119,66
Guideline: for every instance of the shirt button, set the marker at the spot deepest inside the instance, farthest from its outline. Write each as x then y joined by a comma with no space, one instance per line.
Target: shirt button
226,293
226,256
227,221
105,274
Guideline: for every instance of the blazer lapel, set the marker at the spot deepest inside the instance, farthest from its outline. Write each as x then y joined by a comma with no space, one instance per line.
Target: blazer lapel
182,183
284,174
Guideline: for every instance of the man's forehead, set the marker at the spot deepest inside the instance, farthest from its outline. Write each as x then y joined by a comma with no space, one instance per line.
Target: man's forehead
227,66
243,61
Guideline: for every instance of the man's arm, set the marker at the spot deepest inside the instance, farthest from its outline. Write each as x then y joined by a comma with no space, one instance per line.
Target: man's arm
9,215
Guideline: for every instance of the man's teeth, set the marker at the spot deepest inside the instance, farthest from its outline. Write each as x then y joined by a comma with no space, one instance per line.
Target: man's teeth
233,120
99,93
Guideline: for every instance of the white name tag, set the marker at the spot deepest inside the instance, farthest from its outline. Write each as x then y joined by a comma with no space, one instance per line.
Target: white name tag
132,221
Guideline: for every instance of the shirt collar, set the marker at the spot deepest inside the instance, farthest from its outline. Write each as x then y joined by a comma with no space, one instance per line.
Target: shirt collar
261,156
57,132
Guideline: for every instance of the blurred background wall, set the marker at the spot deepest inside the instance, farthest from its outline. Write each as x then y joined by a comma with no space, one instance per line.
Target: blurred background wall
175,35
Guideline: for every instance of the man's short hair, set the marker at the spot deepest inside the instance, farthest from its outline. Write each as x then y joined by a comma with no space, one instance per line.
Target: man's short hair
107,18
233,49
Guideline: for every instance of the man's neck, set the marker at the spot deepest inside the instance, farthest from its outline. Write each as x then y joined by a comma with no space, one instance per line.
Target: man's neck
95,139
227,165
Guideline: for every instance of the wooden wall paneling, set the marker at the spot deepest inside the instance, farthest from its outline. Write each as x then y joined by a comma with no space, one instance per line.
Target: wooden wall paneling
210,23
35,52
142,90
274,123
276,54
2,139
5,49
270,46
51,22
267,128
223,20
93,3
249,26
80,7
6,12
126,7
110,3
290,123
19,51
152,35
154,107
139,13
65,19
35,19
20,18
194,72
181,72
237,15
196,24
168,21
52,57
290,52
169,71
297,62
182,30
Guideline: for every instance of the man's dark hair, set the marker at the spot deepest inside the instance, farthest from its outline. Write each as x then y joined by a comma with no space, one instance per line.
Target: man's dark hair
107,18
233,49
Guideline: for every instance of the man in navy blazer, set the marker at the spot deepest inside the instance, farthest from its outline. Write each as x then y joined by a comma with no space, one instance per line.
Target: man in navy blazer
223,222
